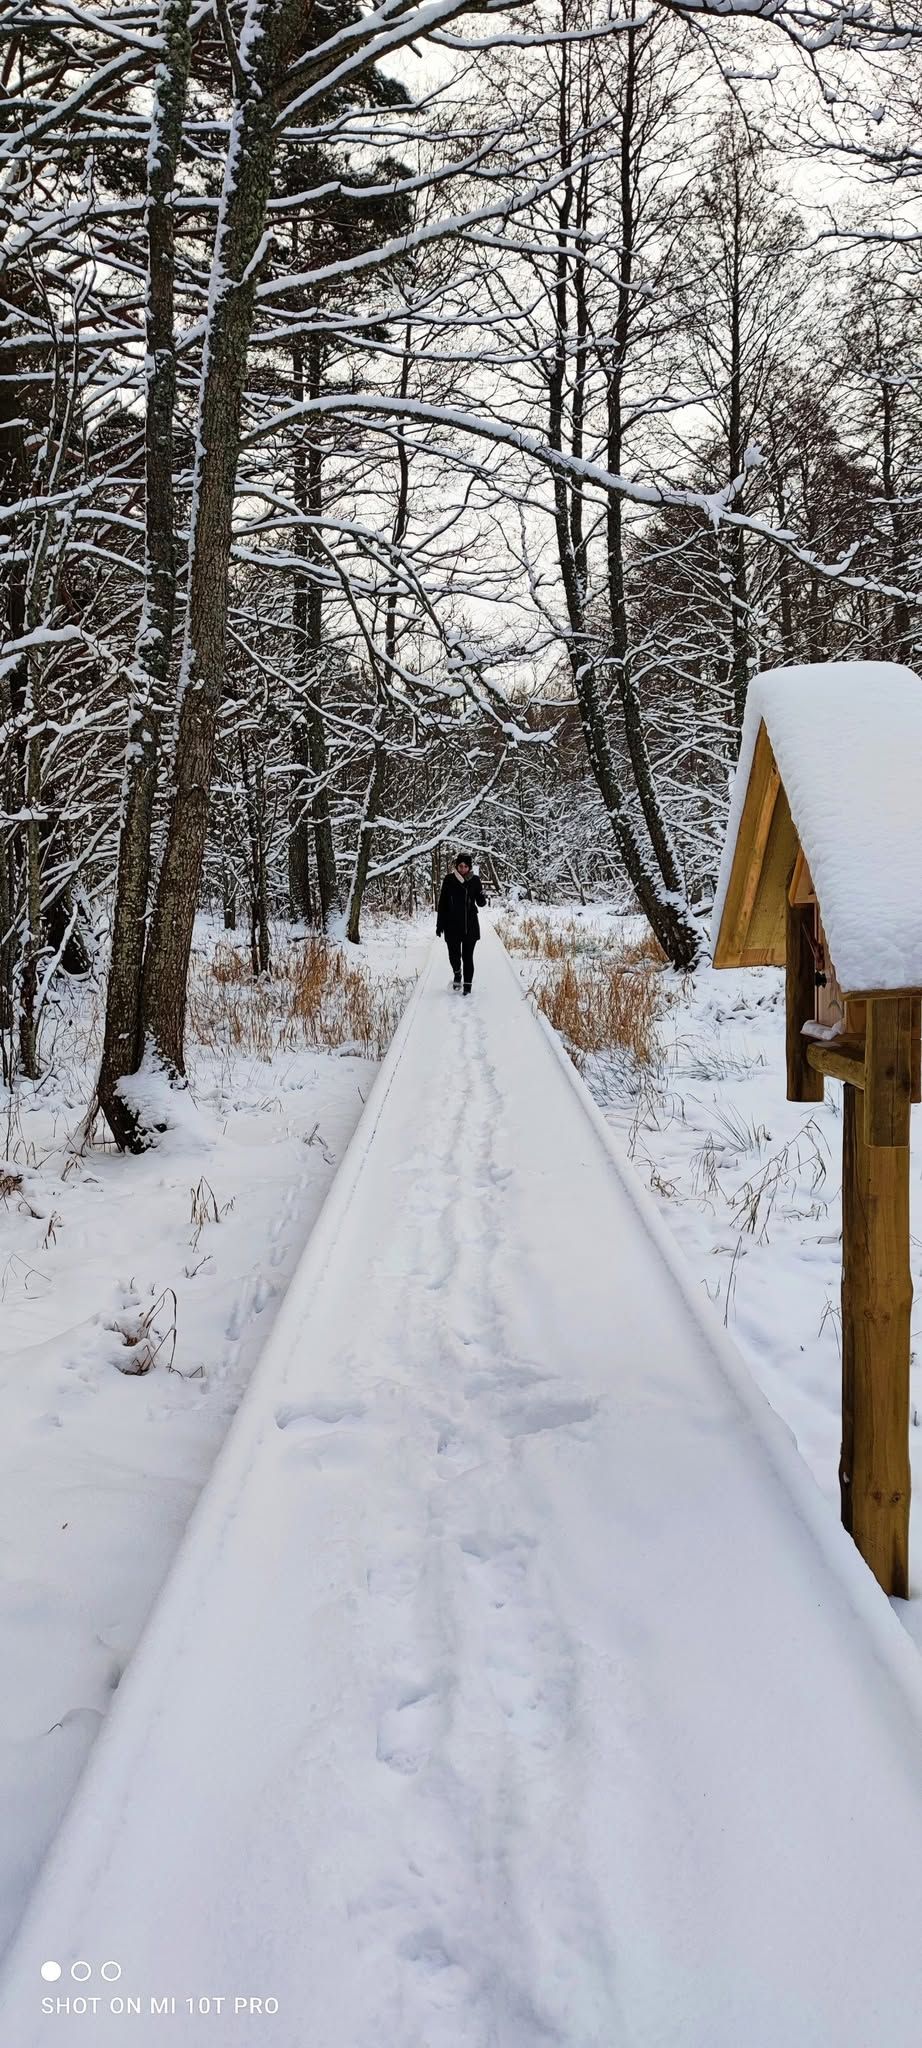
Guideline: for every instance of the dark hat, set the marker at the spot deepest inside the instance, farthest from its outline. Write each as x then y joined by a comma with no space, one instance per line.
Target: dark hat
463,859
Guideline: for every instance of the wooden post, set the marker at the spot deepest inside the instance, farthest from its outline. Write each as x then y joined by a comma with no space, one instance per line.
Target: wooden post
888,1065
876,1303
804,1085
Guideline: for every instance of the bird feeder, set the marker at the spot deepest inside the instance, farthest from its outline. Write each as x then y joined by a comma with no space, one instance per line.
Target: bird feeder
822,875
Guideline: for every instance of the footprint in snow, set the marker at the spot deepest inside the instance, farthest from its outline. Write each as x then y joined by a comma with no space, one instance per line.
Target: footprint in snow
323,1435
426,1948
85,1721
407,1731
531,1418
320,1417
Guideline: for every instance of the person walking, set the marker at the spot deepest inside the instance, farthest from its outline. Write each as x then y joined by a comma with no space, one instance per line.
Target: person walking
456,919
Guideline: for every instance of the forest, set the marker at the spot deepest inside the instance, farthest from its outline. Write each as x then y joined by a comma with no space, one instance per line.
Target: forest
417,424
460,1404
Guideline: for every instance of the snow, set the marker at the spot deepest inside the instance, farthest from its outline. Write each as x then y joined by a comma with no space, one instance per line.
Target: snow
177,1261
847,738
513,1683
749,1186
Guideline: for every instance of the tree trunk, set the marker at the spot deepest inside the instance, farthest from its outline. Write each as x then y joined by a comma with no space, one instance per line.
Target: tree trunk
32,932
373,795
254,794
665,911
14,472
310,735
325,858
65,934
632,713
737,588
228,898
268,33
122,1041
378,776
300,884
899,631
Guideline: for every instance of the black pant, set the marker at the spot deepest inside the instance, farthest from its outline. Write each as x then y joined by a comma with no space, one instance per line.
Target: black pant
461,949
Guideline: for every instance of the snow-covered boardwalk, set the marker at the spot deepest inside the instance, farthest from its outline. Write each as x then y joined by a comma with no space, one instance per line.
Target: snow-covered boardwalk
513,1686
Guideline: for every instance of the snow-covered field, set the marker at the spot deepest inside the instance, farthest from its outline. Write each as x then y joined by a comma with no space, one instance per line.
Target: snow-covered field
514,1686
750,1185
138,1295
135,1298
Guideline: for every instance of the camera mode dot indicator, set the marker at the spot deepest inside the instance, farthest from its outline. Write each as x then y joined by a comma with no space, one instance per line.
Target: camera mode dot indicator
51,1972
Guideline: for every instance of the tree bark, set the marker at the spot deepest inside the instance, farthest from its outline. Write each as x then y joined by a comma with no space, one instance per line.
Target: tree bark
13,486
254,796
271,32
899,632
310,736
373,795
122,1041
378,777
228,898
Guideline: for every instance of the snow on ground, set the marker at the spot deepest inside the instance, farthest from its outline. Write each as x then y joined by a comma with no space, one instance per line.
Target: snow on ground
177,1261
514,1687
750,1186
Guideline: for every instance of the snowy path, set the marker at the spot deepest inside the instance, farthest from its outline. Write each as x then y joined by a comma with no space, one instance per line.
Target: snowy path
514,1685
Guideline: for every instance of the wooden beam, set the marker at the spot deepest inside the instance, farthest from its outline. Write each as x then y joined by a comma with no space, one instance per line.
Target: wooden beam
751,840
874,1474
888,1071
805,1084
840,1059
885,995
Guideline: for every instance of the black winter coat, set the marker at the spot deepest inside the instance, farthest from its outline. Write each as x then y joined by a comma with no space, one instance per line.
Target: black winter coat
456,917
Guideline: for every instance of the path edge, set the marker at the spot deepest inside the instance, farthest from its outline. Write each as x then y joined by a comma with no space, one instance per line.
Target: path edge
892,1642
84,1822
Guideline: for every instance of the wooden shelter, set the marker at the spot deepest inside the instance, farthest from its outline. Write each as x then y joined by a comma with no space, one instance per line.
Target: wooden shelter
822,874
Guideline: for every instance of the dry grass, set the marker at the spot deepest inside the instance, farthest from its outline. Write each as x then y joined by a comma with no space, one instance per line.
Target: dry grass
605,1005
316,996
523,932
606,996
231,967
568,939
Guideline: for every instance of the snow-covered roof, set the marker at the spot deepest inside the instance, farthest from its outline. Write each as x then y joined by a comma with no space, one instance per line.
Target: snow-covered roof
847,740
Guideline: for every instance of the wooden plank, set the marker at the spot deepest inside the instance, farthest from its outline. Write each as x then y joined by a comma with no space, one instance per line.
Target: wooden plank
767,916
874,1474
842,1059
800,887
888,1071
751,839
757,956
915,1051
805,1084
